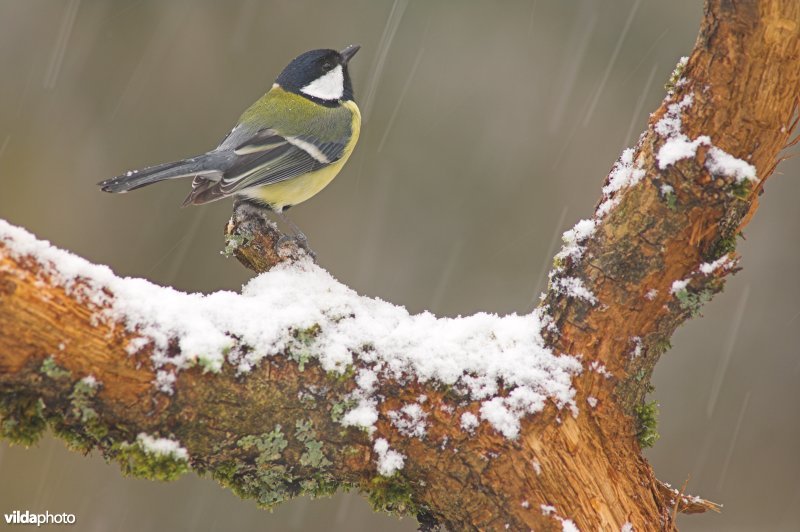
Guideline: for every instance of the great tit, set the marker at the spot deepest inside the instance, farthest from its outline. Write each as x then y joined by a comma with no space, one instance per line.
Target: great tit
285,148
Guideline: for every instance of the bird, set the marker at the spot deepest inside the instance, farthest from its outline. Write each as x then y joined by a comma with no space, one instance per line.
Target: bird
284,149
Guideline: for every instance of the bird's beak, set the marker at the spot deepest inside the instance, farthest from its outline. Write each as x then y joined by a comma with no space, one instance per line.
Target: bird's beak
349,52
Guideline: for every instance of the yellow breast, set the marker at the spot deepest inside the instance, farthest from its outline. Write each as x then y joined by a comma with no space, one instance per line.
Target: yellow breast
300,188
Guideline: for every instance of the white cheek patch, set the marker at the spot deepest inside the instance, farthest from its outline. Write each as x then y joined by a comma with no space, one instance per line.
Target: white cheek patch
327,87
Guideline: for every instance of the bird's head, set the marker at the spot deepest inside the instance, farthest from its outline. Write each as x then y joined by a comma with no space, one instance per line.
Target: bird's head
320,75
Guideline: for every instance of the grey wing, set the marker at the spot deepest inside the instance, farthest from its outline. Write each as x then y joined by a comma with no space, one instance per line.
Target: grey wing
264,158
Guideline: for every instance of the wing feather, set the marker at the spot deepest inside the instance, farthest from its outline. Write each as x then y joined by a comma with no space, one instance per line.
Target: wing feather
269,157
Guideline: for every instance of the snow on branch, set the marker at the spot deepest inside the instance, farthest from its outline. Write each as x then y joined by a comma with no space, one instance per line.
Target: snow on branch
298,304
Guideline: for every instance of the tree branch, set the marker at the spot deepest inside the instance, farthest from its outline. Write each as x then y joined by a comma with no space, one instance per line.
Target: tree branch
300,386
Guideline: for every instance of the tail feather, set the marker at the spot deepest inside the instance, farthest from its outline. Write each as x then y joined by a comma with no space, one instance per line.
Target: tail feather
201,165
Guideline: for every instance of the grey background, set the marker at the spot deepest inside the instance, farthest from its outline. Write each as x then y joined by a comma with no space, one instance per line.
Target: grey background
489,127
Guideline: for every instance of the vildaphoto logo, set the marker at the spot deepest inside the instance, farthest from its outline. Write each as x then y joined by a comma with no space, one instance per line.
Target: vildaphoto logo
29,518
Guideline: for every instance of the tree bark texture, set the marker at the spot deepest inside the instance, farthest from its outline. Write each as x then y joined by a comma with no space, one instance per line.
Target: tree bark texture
274,433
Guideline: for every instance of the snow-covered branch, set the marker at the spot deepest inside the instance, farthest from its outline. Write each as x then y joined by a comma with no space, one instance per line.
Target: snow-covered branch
299,385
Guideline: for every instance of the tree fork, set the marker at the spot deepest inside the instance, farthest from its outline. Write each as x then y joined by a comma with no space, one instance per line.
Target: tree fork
274,433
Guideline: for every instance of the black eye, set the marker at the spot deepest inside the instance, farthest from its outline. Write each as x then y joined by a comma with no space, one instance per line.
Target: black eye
327,65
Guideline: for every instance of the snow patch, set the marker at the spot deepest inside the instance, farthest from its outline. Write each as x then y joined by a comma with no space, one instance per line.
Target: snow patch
364,416
720,162
90,381
624,174
573,238
679,146
477,355
162,447
389,461
574,287
638,346
725,262
678,286
409,421
600,368
165,381
567,525
469,422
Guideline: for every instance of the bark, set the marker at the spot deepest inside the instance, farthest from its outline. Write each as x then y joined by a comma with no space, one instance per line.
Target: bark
274,433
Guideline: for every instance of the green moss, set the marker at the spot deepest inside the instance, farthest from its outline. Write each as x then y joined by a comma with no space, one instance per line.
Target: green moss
671,83
22,420
212,364
268,487
90,430
671,199
741,189
304,430
340,408
307,336
350,450
647,418
53,370
321,485
301,351
225,472
135,460
692,301
344,376
392,495
268,484
232,243
723,246
313,455
270,445
81,400
307,398
301,357
661,346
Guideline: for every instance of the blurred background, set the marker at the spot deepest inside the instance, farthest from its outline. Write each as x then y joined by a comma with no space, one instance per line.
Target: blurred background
489,128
